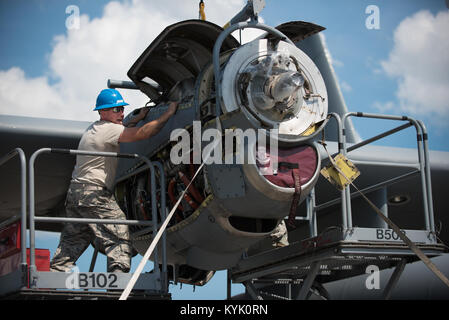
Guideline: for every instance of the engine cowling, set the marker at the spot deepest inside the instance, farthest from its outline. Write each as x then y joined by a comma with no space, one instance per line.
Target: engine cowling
274,102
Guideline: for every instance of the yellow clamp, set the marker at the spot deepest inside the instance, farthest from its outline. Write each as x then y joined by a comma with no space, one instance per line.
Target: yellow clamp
346,173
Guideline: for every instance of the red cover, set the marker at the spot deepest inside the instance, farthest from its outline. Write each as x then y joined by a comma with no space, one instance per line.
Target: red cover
304,156
10,240
42,259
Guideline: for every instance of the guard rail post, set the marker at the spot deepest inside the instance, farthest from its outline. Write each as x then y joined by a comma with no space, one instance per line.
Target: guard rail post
164,276
423,158
425,139
23,204
345,208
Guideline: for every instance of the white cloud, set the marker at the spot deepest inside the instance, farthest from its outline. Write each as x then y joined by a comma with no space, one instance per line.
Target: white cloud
420,63
81,61
386,107
337,63
346,87
20,95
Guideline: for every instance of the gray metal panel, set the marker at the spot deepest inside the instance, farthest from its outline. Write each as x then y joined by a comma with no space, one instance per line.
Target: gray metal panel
386,235
93,280
11,282
416,282
166,56
206,240
339,259
183,118
227,181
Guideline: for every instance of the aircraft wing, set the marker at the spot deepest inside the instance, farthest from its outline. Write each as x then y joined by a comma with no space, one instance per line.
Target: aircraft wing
52,172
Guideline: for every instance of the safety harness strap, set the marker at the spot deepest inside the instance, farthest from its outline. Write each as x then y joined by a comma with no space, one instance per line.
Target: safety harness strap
297,194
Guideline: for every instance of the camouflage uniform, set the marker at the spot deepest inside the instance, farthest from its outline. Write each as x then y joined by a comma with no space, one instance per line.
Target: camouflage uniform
279,235
94,202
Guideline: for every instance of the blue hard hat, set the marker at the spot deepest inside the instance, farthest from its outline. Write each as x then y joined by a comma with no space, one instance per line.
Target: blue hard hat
109,98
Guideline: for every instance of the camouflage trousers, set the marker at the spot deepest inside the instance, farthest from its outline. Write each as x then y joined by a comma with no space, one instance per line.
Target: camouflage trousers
84,201
279,235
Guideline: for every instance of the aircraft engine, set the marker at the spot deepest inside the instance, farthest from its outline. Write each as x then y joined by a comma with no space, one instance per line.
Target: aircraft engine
273,103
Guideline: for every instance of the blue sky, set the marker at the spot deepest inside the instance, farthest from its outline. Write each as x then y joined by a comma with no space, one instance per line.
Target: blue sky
44,57
48,70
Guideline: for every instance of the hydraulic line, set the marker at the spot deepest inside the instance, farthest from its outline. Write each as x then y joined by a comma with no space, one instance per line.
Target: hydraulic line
192,190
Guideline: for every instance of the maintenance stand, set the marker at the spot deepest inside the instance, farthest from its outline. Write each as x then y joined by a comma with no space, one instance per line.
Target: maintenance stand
26,273
344,251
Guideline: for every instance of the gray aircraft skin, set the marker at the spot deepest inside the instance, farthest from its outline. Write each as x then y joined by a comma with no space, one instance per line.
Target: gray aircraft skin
237,210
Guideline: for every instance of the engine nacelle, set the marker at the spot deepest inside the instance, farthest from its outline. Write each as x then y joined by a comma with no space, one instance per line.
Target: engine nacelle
270,89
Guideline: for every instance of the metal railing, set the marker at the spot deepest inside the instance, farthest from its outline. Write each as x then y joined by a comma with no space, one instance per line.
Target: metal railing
152,224
422,168
423,160
311,206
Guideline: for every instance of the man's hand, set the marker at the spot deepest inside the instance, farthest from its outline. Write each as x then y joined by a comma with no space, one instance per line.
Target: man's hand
140,114
136,116
172,107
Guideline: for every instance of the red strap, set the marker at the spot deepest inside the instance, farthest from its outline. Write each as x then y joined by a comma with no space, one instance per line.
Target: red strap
296,196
